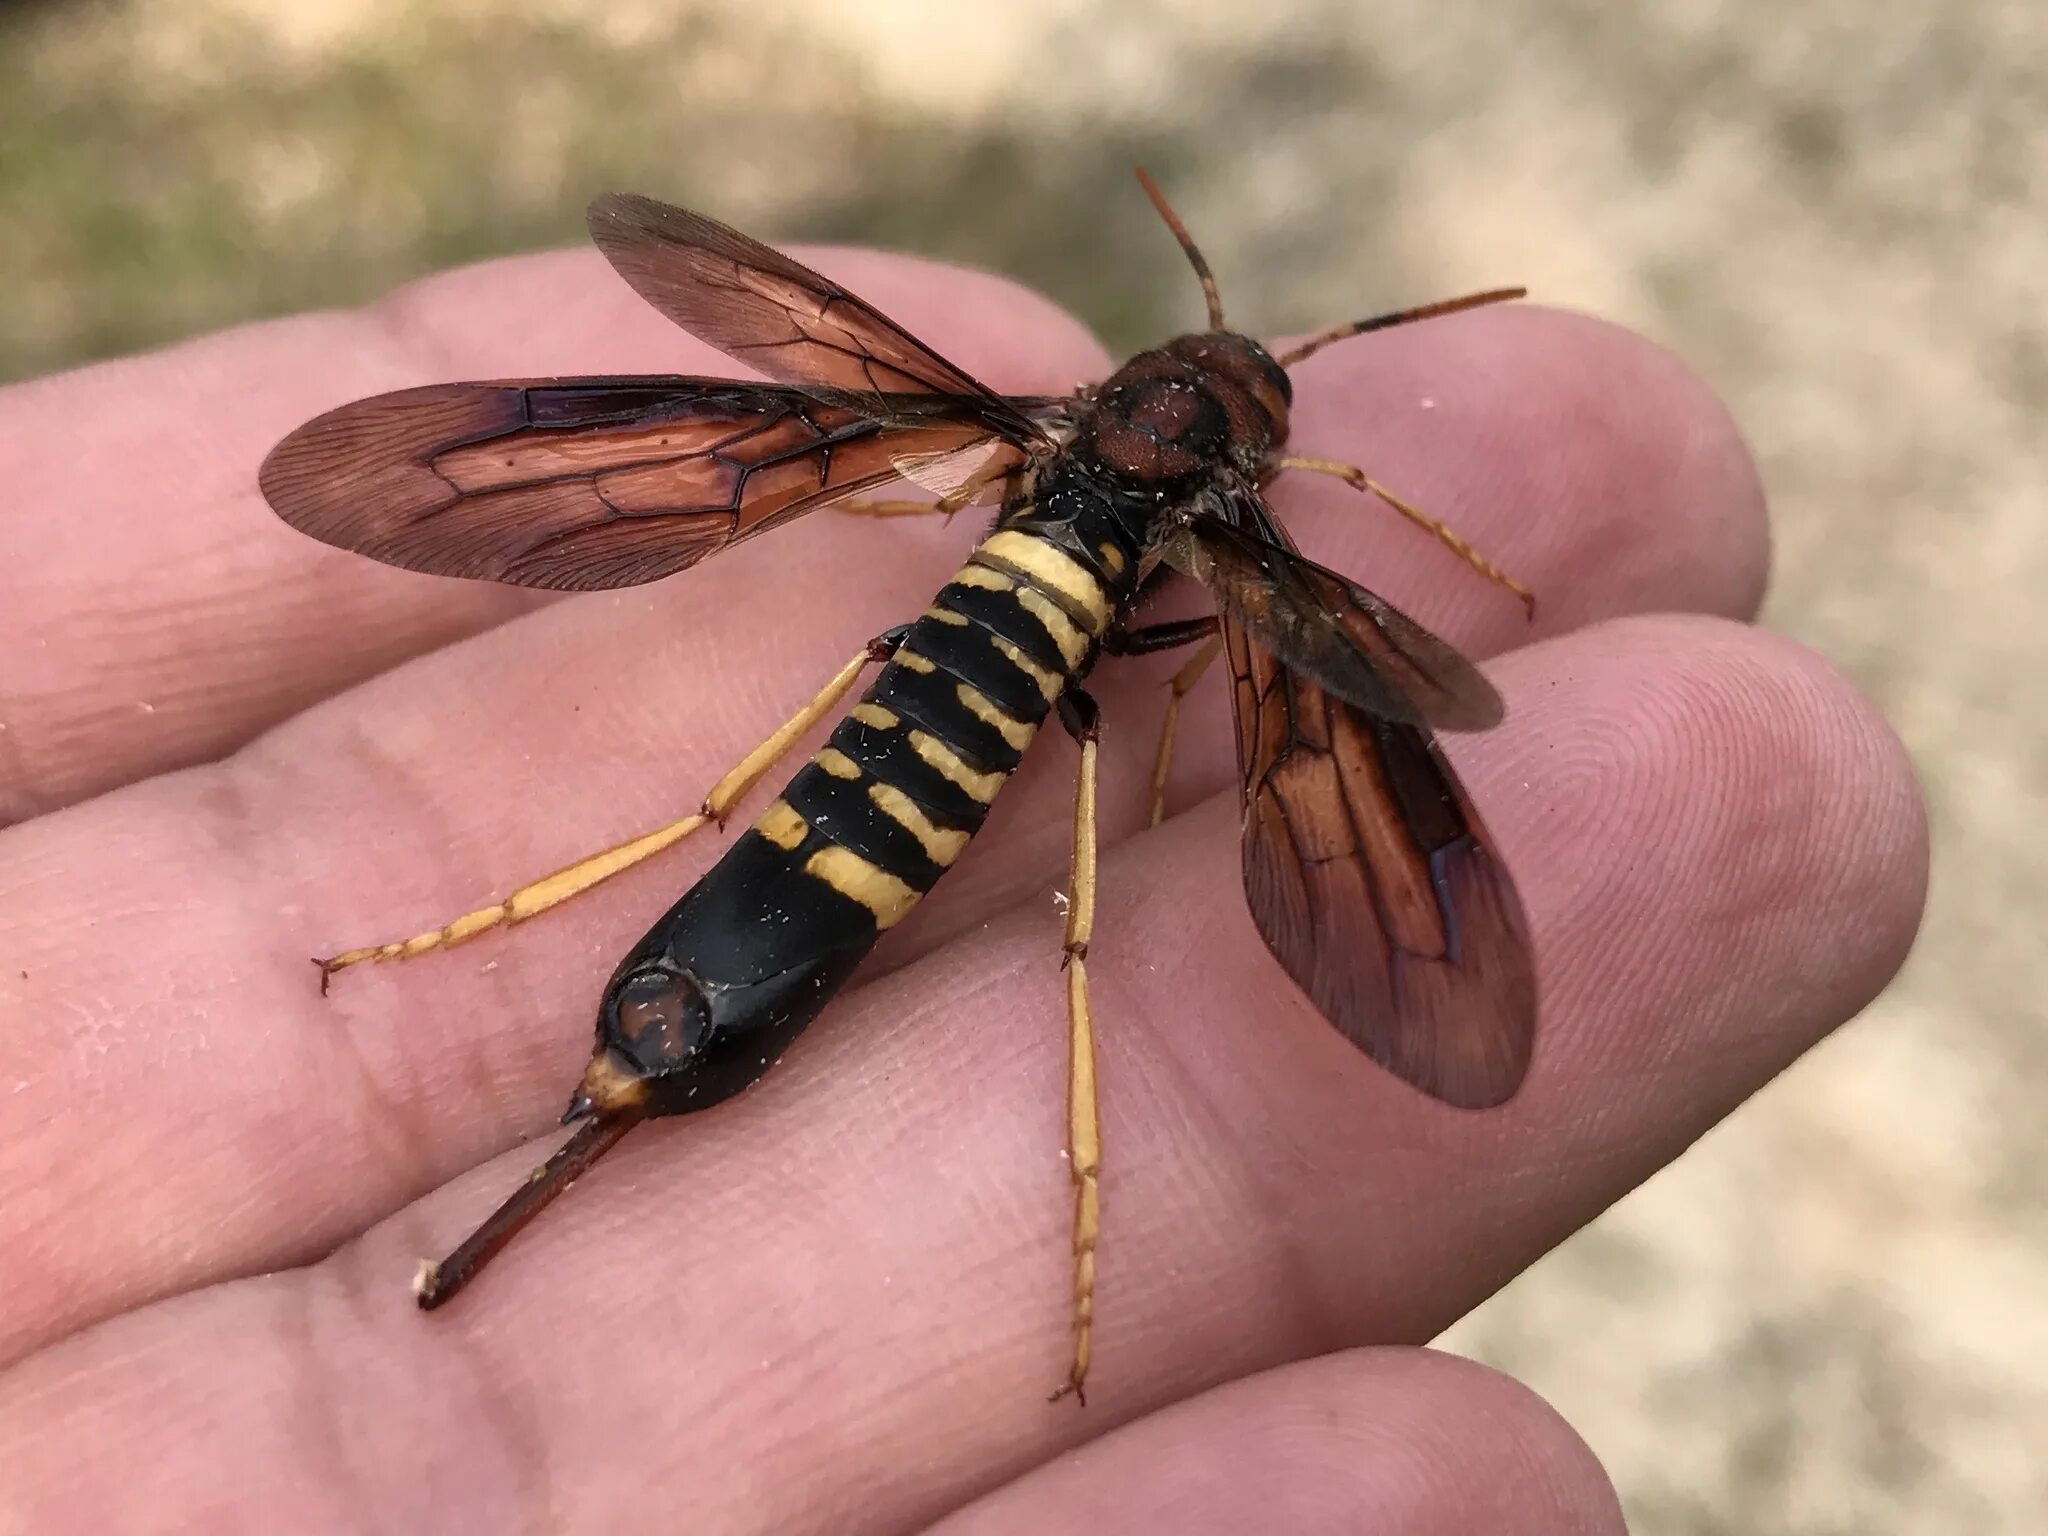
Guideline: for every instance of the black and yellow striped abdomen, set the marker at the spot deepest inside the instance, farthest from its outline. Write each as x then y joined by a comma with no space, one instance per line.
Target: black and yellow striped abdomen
907,778
708,1000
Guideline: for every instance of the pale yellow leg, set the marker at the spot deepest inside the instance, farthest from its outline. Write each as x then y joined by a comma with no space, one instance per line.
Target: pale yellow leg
1358,479
1182,684
965,494
1084,1131
552,890
893,508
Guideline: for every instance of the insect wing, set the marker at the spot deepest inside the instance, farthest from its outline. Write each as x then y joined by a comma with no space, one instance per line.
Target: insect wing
1354,644
778,316
1374,883
582,484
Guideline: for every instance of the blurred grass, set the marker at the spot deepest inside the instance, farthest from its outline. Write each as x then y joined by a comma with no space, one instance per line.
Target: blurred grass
1826,1318
150,203
154,202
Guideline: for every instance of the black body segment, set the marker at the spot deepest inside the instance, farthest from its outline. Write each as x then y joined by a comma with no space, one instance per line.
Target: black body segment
708,1000
715,992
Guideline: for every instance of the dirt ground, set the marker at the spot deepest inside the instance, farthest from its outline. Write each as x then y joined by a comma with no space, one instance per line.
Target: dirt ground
1826,1318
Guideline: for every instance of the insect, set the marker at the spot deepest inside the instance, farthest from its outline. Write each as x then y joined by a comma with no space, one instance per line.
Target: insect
1366,868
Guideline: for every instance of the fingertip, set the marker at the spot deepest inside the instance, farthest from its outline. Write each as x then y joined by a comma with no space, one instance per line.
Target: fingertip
1399,1440
1517,1435
1730,797
1657,427
1867,864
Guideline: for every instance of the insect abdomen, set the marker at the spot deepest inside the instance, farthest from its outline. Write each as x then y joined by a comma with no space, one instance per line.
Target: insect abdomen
752,953
908,776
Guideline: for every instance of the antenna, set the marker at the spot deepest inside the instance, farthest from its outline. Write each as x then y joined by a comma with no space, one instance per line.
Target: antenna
1180,233
1316,344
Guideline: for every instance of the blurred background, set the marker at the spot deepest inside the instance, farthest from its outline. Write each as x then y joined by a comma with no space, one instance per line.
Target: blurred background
1830,1316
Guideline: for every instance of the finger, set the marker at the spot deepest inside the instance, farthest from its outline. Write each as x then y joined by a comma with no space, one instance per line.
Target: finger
1402,1442
415,799
161,615
1723,856
1398,1441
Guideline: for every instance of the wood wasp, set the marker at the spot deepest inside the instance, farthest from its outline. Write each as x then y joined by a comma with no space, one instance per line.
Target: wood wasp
1366,868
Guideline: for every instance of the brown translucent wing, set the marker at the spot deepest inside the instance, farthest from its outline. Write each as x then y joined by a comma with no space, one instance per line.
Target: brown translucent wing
1355,645
778,316
1375,884
579,484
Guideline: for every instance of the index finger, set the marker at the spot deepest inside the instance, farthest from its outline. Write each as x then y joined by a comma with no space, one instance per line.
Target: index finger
160,615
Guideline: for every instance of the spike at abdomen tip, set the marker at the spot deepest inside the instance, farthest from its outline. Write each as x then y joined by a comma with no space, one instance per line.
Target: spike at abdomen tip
434,1284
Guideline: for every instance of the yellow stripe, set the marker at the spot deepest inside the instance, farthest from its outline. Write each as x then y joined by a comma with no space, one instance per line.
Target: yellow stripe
782,826
982,786
941,845
906,657
1049,683
1053,619
872,886
873,714
1017,733
837,763
1111,557
945,616
1054,569
981,576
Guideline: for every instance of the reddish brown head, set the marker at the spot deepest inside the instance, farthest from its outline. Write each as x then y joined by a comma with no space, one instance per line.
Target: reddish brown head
1247,367
1188,407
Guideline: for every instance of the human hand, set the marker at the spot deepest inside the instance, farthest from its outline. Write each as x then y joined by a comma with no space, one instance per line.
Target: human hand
837,1303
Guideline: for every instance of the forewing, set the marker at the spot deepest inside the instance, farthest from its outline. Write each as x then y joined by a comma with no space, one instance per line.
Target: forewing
778,316
1374,883
1356,645
580,484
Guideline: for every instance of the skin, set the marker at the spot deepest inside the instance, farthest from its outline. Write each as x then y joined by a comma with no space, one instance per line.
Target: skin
837,1303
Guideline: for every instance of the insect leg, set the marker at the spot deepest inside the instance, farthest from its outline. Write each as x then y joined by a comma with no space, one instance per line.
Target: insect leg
1359,480
1162,637
893,508
1183,682
552,890
1084,1133
964,494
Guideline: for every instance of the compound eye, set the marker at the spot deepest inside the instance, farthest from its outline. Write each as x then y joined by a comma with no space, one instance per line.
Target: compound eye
657,1018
